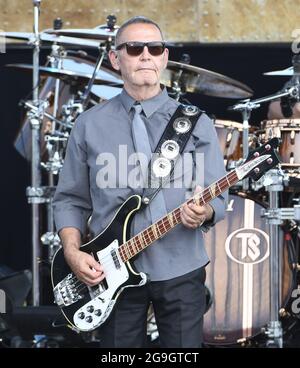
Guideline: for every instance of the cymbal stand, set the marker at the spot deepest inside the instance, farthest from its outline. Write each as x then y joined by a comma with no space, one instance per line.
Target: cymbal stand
103,52
54,163
34,192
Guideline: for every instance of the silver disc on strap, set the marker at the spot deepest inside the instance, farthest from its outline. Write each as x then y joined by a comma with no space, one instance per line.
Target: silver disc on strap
190,110
170,149
182,125
161,167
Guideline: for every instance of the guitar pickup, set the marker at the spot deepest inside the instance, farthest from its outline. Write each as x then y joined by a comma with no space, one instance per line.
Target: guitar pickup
115,259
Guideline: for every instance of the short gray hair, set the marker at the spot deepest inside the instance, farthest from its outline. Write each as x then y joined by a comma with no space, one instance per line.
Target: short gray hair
139,19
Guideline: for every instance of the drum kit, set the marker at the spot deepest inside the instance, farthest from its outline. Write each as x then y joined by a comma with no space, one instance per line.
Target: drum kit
254,269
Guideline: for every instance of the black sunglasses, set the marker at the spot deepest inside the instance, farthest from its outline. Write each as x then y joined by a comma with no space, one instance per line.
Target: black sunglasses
136,48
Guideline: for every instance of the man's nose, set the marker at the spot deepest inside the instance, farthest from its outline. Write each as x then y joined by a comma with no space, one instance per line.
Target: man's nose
145,54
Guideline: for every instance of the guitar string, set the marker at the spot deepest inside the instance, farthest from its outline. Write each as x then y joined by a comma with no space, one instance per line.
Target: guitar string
165,221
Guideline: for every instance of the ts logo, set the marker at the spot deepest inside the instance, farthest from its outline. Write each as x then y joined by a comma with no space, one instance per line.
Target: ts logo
247,245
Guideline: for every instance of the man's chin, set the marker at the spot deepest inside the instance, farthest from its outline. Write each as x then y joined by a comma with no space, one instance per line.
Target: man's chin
147,82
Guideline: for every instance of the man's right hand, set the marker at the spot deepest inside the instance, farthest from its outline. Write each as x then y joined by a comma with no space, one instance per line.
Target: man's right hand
85,267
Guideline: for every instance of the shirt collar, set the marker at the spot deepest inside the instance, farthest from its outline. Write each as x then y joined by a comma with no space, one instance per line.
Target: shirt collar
149,106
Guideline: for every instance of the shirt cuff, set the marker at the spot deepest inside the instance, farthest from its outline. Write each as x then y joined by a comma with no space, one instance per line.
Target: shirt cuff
218,206
68,218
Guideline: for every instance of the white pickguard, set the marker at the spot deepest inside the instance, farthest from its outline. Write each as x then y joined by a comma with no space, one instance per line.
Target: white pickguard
95,312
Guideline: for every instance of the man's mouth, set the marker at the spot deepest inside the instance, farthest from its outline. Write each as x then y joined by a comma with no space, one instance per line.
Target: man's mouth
147,69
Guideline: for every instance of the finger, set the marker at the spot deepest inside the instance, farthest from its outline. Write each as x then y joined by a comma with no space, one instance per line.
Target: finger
92,276
198,189
93,263
198,210
188,221
189,211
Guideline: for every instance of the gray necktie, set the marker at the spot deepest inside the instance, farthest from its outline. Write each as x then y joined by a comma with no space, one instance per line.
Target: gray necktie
141,141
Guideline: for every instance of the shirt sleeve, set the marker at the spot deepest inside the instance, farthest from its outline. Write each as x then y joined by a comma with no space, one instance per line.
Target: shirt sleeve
214,168
72,201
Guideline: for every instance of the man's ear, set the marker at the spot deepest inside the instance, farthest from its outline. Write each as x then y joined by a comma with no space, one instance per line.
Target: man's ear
113,57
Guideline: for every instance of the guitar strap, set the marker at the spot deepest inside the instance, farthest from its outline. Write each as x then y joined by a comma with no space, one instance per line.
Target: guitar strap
169,149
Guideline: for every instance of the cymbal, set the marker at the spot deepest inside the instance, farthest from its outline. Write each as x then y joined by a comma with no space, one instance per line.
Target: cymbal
104,76
93,34
197,80
45,37
288,72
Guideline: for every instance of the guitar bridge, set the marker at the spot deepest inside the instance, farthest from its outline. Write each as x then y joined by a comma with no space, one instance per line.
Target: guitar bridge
65,292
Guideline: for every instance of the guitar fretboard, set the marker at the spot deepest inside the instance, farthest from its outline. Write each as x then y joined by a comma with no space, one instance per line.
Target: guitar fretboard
161,227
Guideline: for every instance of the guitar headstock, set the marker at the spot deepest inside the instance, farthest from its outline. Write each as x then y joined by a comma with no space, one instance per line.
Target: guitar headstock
260,160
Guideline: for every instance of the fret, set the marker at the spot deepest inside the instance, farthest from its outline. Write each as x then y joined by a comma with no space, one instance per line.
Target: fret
202,200
141,239
150,233
175,214
121,252
170,218
226,177
203,196
154,230
135,240
128,251
163,223
212,190
132,244
158,229
220,191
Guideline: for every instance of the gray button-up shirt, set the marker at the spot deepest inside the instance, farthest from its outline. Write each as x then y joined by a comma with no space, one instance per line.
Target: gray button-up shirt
99,146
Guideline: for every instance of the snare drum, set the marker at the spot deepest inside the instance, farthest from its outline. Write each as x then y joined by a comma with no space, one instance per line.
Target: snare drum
288,130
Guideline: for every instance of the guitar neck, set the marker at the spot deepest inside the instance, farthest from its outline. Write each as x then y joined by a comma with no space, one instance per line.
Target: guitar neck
161,227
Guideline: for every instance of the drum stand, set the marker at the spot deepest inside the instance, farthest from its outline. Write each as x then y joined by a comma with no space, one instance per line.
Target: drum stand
34,193
274,185
273,181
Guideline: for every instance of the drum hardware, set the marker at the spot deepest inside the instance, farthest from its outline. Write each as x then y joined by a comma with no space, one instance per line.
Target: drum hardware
52,240
246,107
55,164
275,217
37,110
34,193
103,52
